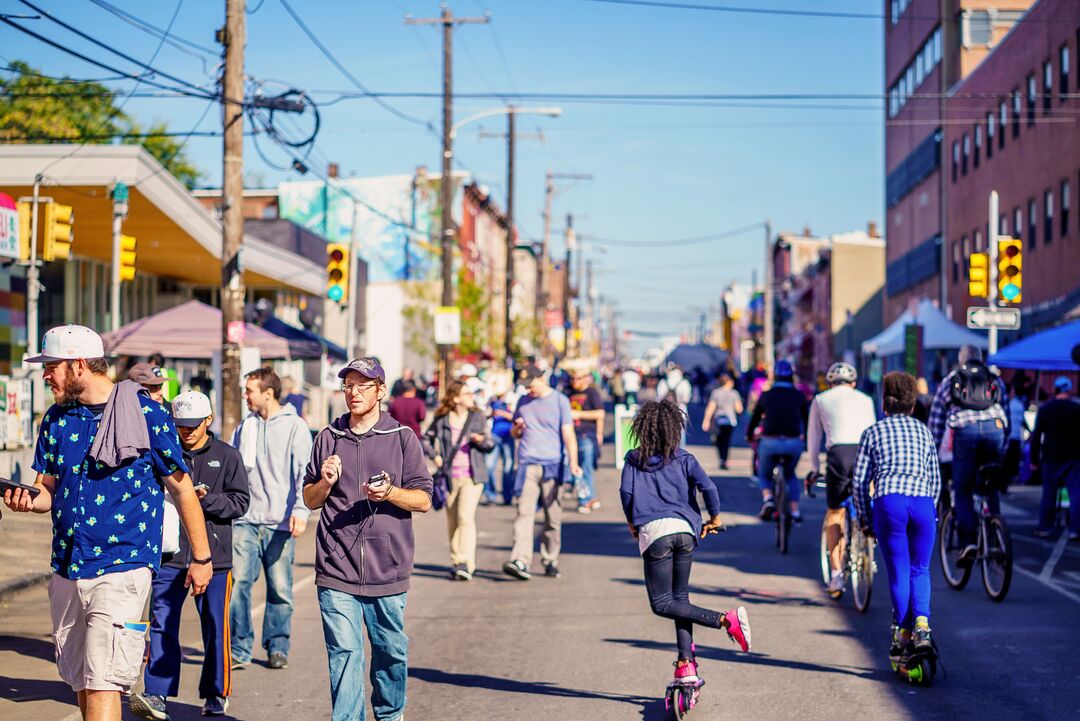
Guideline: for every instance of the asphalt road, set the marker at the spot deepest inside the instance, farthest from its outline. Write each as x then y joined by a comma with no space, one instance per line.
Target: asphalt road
587,647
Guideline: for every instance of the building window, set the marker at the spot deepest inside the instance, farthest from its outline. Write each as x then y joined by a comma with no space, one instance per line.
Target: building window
1016,113
1063,71
918,69
1048,84
991,129
967,153
1031,99
955,160
1018,223
965,247
978,236
937,45
978,143
955,262
1033,224
1066,201
1048,218
1003,224
1003,121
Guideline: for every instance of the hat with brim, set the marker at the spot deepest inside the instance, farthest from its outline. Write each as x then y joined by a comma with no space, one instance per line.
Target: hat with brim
68,342
367,367
190,408
146,375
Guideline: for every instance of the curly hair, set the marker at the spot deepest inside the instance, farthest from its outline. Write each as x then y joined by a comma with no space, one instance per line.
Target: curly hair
658,428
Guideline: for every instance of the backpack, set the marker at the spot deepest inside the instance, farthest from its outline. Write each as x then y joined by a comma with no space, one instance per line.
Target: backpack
974,387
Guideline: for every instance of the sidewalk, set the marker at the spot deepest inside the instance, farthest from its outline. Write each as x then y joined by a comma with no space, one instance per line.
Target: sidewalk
25,540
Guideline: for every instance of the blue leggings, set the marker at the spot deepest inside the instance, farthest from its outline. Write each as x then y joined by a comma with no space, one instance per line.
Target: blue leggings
905,529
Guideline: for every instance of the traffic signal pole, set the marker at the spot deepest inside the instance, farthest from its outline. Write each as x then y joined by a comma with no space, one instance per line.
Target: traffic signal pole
992,257
33,284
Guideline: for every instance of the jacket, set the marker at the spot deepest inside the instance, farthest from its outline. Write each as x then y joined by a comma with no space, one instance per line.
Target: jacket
657,488
218,465
361,547
275,452
438,441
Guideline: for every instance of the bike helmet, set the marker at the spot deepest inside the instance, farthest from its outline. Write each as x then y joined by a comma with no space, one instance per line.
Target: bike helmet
783,369
841,373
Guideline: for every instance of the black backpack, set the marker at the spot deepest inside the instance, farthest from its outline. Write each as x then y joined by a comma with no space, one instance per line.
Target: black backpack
975,387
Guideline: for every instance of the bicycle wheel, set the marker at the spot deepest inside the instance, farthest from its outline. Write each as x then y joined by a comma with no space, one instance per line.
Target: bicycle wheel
862,569
826,569
783,517
949,547
997,558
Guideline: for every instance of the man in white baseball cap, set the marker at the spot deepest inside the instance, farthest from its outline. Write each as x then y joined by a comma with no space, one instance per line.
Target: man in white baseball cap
103,452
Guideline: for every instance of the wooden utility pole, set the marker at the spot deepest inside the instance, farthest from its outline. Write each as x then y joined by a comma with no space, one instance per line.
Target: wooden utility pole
232,198
570,241
446,198
542,264
508,348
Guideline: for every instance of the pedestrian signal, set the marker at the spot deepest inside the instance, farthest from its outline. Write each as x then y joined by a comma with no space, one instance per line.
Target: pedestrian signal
1010,265
337,272
59,232
979,275
127,257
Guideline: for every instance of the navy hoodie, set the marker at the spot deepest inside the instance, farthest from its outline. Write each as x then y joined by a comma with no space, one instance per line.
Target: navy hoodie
665,488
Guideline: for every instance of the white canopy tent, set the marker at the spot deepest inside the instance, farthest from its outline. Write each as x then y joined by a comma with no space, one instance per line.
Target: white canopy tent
939,333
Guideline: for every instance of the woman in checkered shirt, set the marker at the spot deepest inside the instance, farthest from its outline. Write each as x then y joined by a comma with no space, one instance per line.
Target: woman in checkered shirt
898,455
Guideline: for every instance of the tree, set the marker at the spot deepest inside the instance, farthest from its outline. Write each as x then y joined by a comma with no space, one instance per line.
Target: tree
36,108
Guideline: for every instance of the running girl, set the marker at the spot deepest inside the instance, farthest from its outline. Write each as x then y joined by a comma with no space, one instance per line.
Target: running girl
659,485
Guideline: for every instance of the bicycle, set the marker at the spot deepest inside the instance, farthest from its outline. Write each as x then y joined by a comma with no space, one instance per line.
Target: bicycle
782,515
994,545
856,554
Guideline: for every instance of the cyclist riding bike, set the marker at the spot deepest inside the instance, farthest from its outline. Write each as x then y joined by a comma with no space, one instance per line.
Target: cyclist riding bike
782,411
841,413
968,402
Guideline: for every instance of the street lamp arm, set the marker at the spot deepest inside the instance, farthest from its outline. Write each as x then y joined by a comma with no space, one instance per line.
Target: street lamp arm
492,112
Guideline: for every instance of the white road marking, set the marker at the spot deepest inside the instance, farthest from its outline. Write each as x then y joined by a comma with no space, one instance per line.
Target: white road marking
1055,556
1049,584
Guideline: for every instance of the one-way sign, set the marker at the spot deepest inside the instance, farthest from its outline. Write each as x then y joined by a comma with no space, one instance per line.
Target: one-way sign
984,317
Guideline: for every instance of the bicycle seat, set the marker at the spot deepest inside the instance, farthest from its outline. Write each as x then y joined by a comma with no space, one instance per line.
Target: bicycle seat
989,477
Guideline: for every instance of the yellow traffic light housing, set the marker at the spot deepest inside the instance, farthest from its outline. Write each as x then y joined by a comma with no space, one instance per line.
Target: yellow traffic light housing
24,210
337,272
58,232
979,275
127,257
1010,267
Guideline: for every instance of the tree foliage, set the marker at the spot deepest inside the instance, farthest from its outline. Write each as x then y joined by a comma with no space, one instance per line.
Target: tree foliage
35,108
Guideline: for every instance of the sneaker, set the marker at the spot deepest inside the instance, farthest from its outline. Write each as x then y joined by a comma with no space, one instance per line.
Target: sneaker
517,570
586,510
738,629
278,660
551,570
921,638
1074,536
461,573
1041,533
796,518
836,584
148,707
240,665
768,508
216,706
595,504
686,671
967,556
723,465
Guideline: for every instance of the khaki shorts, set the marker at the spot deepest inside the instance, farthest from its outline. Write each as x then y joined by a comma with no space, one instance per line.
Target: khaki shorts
95,649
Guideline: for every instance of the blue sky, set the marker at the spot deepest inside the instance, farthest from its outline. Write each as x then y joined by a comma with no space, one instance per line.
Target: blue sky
660,172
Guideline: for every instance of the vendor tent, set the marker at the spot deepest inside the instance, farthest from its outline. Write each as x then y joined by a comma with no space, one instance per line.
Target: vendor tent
691,356
188,331
939,333
1049,350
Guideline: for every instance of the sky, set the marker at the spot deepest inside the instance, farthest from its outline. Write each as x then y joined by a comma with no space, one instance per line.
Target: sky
660,171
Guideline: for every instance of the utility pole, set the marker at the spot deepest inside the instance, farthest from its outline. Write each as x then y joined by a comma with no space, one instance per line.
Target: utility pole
33,282
232,196
769,310
545,252
992,263
570,241
448,21
120,210
508,349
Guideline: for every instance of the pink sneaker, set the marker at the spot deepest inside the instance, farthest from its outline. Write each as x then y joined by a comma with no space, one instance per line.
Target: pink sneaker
739,630
686,671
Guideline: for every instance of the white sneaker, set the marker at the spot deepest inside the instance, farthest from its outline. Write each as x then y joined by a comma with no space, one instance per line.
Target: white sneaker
836,583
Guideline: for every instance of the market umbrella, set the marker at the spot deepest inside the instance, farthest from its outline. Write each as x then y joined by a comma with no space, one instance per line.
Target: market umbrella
1048,350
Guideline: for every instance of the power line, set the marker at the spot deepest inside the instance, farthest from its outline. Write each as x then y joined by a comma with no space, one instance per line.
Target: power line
85,139
153,29
671,243
746,10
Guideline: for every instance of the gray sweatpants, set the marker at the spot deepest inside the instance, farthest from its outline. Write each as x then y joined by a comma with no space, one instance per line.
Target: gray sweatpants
546,491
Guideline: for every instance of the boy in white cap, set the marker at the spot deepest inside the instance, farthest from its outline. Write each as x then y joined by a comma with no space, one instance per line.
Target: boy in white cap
222,486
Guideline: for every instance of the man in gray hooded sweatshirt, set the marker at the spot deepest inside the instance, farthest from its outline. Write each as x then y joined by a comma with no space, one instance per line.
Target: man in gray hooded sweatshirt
275,444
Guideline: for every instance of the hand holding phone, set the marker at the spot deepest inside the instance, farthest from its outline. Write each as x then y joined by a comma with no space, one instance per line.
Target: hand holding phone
378,486
201,490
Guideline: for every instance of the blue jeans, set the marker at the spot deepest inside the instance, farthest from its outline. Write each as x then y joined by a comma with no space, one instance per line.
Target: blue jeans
384,619
974,445
504,449
258,548
768,450
1055,475
905,528
586,453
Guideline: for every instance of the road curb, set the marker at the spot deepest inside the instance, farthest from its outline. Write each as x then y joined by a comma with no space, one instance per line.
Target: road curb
21,583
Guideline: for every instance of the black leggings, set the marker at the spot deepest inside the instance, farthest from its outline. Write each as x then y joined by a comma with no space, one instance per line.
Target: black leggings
723,441
667,579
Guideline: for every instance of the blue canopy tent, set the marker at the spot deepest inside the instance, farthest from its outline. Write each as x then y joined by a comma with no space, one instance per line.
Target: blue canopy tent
689,357
1048,350
302,342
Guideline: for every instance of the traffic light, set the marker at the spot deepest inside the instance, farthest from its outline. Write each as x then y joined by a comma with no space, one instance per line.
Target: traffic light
24,230
337,272
127,257
979,275
58,233
1010,265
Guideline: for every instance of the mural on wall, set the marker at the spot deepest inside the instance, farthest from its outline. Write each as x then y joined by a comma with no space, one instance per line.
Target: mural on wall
397,218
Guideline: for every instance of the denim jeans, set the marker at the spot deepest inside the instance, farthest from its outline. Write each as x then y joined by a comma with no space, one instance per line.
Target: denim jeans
586,453
974,445
257,548
384,619
504,449
768,449
667,581
1054,476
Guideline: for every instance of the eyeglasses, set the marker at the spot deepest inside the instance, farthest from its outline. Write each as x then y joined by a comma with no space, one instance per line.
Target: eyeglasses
357,388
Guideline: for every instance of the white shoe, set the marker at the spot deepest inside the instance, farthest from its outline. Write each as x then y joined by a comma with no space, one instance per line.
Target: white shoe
836,583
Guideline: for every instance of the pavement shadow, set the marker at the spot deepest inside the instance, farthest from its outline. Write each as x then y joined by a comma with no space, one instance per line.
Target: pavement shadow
22,690
599,539
29,646
431,570
754,595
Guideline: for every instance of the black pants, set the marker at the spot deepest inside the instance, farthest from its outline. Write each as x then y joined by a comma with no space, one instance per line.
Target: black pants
667,579
723,441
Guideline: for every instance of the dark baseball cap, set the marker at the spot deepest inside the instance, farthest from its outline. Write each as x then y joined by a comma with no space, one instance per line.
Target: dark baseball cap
530,373
146,375
367,366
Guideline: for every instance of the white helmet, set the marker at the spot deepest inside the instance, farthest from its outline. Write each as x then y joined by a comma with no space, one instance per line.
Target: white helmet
841,373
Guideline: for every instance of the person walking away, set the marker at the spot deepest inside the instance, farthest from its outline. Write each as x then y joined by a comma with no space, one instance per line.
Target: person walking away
501,410
151,378
545,428
275,445
457,440
722,415
407,409
899,456
407,375
923,401
618,388
292,395
587,411
221,484
1055,450
840,415
631,380
1016,410
968,401
659,489
367,473
783,410
103,454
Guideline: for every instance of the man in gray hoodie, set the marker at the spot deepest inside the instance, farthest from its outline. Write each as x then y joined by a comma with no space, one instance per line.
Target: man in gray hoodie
275,444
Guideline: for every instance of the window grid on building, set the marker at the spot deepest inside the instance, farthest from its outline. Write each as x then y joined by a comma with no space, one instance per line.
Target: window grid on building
1063,72
1048,84
1048,217
917,71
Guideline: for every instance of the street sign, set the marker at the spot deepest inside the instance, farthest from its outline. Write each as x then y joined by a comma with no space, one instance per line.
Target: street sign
447,325
986,317
9,227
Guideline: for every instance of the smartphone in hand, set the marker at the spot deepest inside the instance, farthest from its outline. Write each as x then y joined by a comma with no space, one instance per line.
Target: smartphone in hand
7,484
